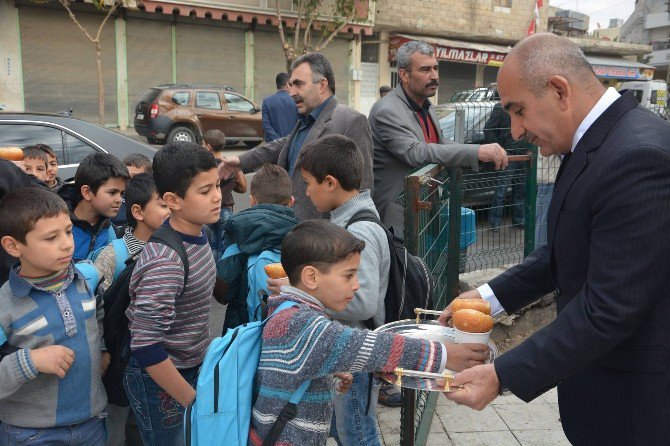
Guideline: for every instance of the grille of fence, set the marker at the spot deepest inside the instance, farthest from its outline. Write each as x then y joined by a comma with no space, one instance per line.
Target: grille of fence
488,216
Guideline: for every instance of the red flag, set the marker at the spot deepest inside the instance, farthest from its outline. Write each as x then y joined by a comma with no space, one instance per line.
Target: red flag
535,22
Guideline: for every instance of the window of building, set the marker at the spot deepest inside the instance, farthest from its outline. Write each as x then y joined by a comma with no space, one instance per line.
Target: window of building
503,3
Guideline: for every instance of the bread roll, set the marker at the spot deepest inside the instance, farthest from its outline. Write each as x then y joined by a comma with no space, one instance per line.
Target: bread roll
275,271
472,304
11,153
472,321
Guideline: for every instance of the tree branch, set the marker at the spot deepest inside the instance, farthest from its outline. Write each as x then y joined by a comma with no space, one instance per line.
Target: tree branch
66,5
104,21
308,31
298,22
280,26
319,47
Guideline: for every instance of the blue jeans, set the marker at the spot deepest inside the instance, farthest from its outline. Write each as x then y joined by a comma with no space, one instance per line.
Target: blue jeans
160,418
88,433
544,193
518,197
353,426
218,232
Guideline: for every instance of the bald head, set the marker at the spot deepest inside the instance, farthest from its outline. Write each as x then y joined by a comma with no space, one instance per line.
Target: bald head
540,56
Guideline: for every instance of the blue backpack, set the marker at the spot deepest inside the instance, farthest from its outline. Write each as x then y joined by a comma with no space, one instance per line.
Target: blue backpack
221,411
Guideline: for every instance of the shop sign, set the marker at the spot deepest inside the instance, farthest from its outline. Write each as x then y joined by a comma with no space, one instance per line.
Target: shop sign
611,72
455,54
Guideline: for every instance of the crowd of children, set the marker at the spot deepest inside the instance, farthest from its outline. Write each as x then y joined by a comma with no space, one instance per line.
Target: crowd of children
52,352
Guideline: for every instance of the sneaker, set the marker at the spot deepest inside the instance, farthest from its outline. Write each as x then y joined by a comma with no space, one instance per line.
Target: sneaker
389,395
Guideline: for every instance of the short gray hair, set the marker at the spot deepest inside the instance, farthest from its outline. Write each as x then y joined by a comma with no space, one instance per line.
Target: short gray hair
321,68
544,55
403,53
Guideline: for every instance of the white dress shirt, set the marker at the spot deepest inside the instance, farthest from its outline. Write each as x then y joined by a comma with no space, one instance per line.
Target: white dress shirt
607,99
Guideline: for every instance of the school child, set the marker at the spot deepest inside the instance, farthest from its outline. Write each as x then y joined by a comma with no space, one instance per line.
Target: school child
135,163
171,298
50,386
35,162
53,180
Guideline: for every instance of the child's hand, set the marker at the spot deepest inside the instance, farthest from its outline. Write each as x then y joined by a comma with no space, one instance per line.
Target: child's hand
54,359
105,359
275,284
464,356
344,381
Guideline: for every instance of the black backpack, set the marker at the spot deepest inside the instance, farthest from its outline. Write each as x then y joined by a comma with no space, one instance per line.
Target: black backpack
116,332
410,282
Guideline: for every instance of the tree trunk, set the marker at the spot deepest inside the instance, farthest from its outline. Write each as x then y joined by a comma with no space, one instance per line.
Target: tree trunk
101,84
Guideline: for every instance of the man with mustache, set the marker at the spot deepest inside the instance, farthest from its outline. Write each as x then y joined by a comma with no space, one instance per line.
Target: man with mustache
312,87
406,133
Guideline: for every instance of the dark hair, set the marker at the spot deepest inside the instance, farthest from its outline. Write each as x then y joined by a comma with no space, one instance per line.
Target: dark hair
321,68
271,185
138,160
21,209
177,163
32,152
384,89
334,155
317,243
281,80
215,138
97,168
46,149
140,191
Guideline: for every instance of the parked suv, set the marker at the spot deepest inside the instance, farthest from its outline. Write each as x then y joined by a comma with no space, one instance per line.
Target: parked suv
183,112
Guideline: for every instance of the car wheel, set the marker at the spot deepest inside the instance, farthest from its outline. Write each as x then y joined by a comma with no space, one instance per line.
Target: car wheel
252,143
181,134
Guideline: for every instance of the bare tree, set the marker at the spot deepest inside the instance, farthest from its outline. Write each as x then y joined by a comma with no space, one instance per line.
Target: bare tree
314,18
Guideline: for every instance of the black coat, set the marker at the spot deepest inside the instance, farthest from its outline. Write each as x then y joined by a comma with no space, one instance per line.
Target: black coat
607,258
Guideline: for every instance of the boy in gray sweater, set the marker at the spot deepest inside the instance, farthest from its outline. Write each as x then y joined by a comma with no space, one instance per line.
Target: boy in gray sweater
332,168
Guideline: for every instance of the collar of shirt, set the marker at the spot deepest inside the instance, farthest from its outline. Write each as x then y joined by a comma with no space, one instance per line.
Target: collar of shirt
603,104
416,107
314,115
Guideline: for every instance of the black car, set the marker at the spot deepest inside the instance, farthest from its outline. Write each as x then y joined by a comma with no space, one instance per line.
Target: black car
72,139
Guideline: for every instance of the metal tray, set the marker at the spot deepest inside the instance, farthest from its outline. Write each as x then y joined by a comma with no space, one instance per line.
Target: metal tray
427,330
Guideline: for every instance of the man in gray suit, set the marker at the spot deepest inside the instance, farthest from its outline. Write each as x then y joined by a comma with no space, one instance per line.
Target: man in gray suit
312,86
406,133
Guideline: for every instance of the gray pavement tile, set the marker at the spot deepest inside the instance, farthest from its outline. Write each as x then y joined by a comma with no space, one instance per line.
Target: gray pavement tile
529,416
551,396
512,399
495,438
331,442
439,439
463,419
551,437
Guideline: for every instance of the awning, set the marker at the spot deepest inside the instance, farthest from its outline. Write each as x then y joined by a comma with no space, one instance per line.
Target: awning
455,50
618,68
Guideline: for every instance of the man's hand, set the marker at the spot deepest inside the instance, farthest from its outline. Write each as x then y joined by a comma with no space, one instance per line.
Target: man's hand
480,386
345,381
446,313
228,167
275,284
464,356
54,359
105,359
493,153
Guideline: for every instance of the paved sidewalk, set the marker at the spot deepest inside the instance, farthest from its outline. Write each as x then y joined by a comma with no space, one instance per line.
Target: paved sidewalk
507,421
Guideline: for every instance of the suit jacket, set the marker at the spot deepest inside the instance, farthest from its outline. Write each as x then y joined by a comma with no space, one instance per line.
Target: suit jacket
335,119
279,115
608,349
399,147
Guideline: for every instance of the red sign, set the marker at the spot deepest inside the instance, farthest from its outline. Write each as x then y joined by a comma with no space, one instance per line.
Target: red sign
454,54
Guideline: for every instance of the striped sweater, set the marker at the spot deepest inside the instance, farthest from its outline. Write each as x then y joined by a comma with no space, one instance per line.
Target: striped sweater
164,321
302,343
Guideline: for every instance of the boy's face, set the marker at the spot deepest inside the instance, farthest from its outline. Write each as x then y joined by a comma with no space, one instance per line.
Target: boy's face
335,289
155,212
202,202
37,167
319,193
52,169
107,201
48,247
133,170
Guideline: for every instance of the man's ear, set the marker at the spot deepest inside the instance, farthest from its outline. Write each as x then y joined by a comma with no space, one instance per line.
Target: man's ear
136,211
172,200
252,200
291,202
86,192
404,75
332,183
308,277
11,245
560,88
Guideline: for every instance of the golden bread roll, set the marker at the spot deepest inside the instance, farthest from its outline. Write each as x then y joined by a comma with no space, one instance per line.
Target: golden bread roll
11,153
275,271
471,304
472,321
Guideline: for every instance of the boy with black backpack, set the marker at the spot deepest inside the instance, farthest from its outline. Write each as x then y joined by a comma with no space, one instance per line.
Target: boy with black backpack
145,212
257,234
332,167
170,296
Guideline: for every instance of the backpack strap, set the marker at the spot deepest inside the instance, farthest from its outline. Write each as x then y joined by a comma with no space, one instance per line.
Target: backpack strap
90,273
287,414
121,254
111,233
365,215
170,238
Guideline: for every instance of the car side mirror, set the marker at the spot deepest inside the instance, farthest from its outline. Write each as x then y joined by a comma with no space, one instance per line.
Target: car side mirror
255,110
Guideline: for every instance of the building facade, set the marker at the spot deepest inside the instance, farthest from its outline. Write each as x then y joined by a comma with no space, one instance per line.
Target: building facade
650,25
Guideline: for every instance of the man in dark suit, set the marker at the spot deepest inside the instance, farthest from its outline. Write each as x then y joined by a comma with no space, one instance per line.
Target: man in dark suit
279,111
608,350
312,87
